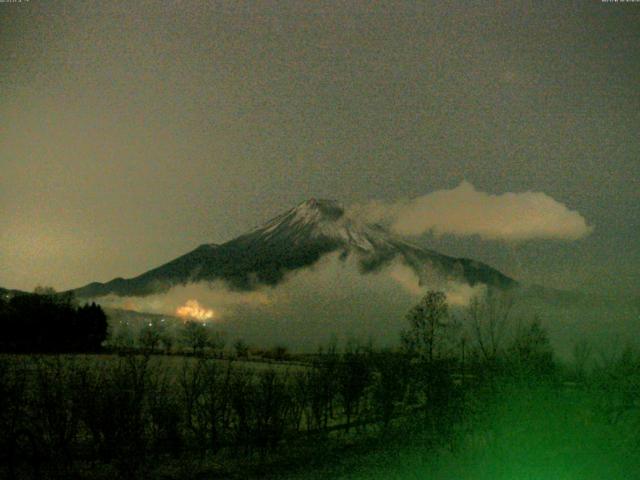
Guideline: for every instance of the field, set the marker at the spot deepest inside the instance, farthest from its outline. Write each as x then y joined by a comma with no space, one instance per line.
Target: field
357,415
142,415
535,434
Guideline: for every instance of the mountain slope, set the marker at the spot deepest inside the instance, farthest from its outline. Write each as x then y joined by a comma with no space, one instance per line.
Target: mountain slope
296,239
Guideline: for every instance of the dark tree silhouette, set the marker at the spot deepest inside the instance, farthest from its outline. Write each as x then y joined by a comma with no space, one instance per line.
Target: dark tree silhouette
531,353
428,321
195,335
49,322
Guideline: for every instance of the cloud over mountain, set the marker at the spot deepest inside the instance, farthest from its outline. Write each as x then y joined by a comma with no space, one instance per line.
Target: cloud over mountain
465,211
297,239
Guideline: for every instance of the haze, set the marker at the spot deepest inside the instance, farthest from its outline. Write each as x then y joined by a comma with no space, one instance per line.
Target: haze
133,132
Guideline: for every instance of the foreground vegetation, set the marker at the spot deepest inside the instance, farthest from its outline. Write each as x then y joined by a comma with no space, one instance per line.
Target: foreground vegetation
478,397
46,321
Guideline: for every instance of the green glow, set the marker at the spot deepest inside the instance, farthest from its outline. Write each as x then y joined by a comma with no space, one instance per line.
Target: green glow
532,434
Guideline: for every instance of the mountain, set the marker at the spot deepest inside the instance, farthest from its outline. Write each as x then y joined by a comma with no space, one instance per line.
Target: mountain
8,294
293,240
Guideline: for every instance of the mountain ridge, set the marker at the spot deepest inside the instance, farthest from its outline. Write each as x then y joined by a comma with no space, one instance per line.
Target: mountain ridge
295,239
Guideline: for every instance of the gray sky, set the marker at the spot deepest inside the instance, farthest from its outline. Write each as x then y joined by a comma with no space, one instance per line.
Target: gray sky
132,132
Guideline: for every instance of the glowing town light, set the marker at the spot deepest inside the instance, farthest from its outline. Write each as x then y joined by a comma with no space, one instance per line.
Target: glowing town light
193,310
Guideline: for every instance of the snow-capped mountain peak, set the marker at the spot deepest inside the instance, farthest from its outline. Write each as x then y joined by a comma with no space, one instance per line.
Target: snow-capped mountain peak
307,213
324,220
293,240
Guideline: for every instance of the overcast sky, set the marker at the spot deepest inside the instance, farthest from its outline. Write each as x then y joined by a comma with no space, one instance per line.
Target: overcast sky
131,132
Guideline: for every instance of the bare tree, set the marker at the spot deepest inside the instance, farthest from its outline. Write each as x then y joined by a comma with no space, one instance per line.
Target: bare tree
489,321
241,348
149,336
428,322
167,336
531,352
353,377
195,336
121,335
582,352
216,341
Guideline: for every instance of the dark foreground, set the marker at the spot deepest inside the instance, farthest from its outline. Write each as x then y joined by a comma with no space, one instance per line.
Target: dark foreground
356,415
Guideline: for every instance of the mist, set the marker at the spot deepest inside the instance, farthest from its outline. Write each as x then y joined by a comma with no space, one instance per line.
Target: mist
334,299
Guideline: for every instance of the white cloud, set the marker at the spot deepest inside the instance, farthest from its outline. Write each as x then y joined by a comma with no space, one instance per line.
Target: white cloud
310,304
465,211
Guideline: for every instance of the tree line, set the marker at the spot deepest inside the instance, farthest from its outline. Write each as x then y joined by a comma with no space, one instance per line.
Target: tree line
49,322
130,414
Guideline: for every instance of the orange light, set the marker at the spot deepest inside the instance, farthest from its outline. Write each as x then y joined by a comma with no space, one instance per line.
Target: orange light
193,310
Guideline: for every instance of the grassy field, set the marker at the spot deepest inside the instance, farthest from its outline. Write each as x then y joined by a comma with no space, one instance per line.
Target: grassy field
533,434
355,416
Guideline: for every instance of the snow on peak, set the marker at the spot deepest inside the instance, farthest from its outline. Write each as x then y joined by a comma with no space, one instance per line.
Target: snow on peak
317,210
323,219
309,213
